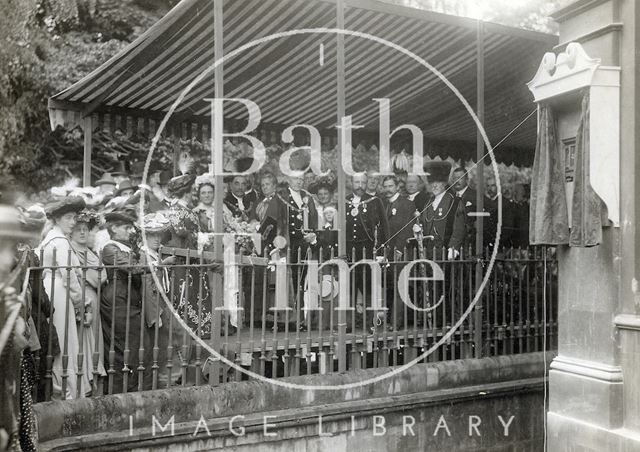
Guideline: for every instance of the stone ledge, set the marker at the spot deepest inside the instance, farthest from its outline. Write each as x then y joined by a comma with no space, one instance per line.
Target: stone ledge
121,412
627,322
590,369
301,417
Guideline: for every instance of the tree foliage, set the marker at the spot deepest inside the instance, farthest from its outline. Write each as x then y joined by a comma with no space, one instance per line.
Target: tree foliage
46,46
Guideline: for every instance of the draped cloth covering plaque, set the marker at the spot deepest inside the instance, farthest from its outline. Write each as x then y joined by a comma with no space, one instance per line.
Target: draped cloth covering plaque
549,219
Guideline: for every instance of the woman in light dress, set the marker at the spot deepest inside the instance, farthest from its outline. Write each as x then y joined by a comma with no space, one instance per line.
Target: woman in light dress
82,241
64,288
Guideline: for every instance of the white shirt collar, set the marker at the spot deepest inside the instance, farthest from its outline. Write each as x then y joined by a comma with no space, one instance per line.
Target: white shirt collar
355,200
394,197
437,199
297,196
412,196
240,202
461,192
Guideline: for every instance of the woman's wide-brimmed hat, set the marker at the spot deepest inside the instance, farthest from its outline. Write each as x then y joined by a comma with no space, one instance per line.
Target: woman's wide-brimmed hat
154,223
65,205
33,218
205,179
316,186
179,185
120,216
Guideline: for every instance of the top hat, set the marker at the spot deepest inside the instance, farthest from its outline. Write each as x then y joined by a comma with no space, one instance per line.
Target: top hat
120,170
106,179
438,171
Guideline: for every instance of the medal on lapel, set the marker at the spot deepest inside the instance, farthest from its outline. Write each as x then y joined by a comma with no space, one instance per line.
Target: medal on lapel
299,216
354,211
439,211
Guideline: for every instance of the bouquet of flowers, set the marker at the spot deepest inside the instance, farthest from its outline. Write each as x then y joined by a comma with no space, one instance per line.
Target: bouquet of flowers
241,227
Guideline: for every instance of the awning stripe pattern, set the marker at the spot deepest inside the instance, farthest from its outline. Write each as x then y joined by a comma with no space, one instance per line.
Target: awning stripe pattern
290,83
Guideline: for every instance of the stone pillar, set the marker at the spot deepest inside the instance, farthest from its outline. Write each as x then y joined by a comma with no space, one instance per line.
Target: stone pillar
594,383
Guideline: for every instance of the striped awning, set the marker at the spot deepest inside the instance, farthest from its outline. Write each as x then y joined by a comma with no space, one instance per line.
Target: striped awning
293,78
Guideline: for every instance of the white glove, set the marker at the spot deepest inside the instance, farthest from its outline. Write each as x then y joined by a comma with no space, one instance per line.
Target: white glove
452,254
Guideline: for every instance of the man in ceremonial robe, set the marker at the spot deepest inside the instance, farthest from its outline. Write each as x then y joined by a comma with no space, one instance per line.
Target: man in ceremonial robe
367,231
443,219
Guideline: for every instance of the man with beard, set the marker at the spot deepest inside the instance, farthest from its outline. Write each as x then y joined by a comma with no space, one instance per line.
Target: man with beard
235,200
444,231
443,219
414,192
367,228
302,219
400,217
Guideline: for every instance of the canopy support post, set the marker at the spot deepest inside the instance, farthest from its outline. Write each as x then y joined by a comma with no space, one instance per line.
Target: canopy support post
477,330
342,214
218,288
86,159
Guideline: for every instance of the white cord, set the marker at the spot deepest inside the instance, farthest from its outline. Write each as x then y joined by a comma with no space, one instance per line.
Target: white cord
544,344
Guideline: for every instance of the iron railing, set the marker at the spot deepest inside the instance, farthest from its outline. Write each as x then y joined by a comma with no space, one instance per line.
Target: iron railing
516,311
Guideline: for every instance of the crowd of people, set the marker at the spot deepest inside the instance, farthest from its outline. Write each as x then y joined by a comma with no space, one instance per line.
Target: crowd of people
98,290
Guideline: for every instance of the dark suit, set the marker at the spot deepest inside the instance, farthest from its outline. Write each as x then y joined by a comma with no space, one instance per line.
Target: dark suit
521,223
420,200
444,223
508,233
252,198
400,216
469,206
367,228
490,222
295,231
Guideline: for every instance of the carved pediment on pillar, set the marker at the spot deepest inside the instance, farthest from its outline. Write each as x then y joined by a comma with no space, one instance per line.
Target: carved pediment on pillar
568,71
565,74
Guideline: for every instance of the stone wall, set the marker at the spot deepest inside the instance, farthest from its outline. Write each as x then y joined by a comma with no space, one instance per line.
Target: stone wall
486,404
